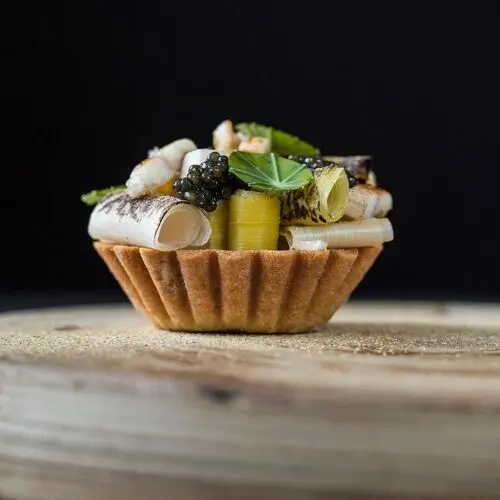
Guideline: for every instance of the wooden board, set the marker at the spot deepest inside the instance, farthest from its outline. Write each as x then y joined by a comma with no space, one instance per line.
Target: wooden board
398,400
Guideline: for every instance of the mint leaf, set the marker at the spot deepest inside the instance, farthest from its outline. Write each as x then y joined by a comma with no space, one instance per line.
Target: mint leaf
95,196
268,172
281,143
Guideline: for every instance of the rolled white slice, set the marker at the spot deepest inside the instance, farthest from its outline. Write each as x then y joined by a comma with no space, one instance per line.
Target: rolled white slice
366,201
361,203
159,222
353,234
174,152
384,204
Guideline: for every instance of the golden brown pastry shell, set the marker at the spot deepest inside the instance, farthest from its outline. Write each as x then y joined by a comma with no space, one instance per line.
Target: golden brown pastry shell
248,291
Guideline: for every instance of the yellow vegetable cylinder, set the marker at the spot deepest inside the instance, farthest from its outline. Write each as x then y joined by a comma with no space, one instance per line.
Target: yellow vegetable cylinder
254,220
218,223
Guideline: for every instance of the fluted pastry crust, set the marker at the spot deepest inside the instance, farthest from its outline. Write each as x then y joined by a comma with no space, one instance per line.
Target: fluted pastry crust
249,291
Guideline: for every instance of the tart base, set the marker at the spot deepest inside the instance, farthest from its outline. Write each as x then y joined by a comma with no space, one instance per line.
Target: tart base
239,291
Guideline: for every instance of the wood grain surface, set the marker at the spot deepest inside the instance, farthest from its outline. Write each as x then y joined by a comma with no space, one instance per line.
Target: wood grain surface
390,400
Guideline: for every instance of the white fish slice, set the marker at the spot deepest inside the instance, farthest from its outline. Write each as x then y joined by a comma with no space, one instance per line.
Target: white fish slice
159,222
161,166
366,201
174,152
149,174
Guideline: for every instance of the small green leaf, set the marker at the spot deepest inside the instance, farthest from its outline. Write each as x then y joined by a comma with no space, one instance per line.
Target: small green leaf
268,172
95,196
281,143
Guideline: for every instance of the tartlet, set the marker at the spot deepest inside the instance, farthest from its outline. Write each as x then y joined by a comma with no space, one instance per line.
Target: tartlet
261,291
220,266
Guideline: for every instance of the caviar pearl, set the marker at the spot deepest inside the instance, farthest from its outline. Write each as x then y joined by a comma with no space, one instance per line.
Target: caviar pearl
207,183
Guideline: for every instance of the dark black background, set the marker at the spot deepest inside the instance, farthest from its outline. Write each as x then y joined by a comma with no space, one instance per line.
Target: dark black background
91,86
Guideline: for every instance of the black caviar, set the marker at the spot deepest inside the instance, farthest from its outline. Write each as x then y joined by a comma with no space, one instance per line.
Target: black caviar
207,183
314,162
352,180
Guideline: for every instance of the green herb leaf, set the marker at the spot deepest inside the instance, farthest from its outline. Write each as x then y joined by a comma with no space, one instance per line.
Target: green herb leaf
281,143
269,172
95,196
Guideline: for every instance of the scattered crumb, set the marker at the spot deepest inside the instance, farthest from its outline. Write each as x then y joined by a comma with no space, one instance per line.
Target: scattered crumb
66,328
119,334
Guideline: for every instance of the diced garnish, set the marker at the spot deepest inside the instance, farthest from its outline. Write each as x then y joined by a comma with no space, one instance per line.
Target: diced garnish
255,145
166,189
225,138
